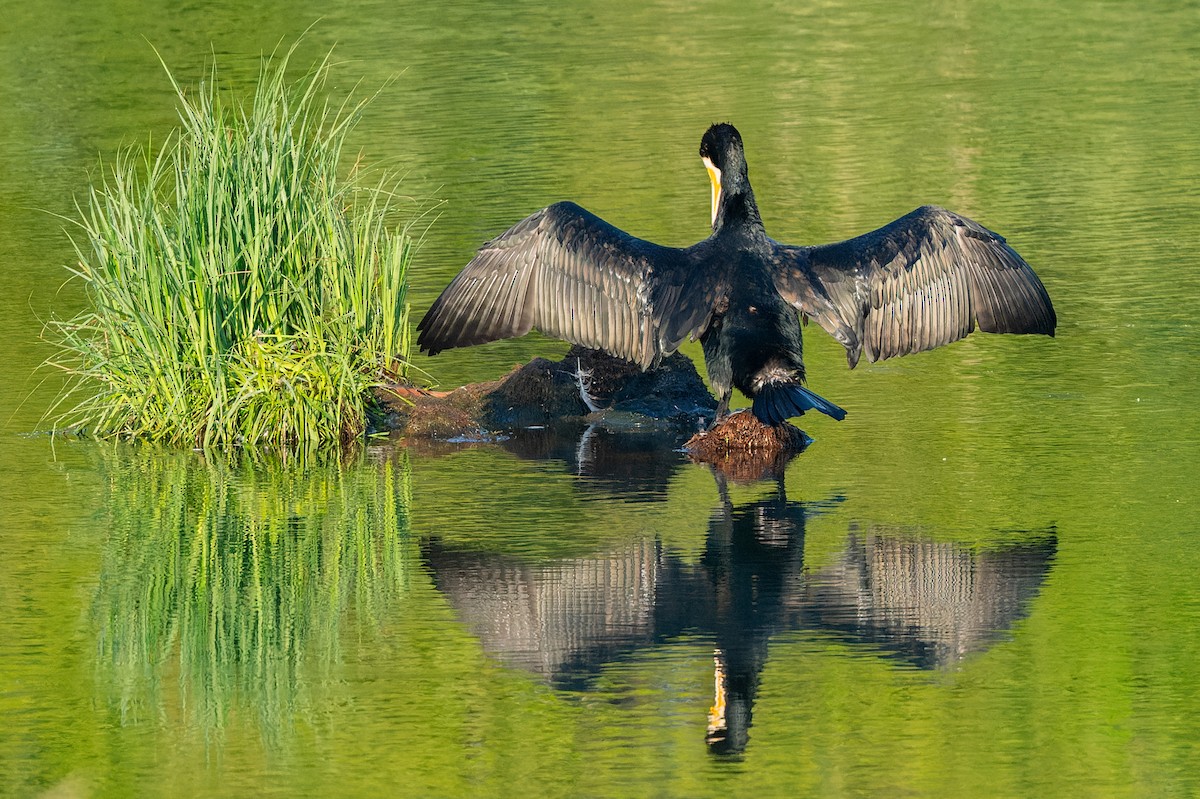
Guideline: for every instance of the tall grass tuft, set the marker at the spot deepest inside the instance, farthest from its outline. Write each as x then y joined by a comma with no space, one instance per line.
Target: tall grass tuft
247,287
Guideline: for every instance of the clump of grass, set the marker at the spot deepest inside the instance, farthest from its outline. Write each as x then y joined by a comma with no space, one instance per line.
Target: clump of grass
247,287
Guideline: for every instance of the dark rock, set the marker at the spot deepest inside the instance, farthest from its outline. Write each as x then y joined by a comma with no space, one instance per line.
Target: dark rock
537,393
539,406
544,392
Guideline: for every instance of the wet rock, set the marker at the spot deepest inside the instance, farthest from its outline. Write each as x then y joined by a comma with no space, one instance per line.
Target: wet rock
541,401
539,392
544,392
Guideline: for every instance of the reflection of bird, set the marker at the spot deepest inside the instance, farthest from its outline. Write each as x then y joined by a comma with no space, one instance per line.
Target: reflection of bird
904,594
920,282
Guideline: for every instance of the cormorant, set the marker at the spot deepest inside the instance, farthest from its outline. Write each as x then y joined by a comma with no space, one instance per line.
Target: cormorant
920,282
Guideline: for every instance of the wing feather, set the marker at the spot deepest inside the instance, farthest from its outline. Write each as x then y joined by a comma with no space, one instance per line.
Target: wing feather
923,281
572,275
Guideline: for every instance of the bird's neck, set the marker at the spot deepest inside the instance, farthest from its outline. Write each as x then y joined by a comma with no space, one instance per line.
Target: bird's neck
739,214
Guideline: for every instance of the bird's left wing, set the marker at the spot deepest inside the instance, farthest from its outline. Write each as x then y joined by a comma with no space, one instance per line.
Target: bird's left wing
573,276
917,283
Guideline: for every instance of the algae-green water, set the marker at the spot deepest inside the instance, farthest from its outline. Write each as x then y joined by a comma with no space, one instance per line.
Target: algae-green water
982,583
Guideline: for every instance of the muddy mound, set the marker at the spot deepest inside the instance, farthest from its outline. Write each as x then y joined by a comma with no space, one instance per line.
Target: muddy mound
745,449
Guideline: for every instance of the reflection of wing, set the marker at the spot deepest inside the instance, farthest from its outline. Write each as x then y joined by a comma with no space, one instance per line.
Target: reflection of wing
932,602
571,275
561,619
920,282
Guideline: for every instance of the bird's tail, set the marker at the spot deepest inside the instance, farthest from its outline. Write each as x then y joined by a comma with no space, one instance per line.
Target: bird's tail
775,403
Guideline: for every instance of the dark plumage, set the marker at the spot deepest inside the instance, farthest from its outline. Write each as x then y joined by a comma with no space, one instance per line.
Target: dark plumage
920,282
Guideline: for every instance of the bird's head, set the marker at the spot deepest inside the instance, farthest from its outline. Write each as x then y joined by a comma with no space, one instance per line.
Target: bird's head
725,159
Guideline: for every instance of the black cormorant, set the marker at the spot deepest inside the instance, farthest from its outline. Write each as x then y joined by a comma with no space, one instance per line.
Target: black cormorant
922,281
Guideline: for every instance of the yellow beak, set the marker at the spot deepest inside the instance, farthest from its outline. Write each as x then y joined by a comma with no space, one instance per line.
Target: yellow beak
714,175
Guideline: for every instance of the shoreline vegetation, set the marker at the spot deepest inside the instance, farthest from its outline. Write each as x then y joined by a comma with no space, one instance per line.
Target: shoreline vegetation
246,287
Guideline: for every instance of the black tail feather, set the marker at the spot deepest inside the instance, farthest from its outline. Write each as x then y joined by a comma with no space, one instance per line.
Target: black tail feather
769,407
775,403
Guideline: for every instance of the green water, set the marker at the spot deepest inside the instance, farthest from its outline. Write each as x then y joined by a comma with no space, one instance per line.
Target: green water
982,583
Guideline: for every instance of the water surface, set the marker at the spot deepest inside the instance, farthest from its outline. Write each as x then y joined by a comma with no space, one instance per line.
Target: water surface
981,583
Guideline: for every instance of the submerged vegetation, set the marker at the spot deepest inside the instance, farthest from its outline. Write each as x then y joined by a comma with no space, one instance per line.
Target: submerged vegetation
247,288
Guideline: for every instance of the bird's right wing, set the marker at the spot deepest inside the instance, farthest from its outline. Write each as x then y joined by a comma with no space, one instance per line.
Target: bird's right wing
573,276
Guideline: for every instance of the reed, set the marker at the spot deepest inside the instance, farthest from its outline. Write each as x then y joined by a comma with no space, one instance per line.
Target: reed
246,286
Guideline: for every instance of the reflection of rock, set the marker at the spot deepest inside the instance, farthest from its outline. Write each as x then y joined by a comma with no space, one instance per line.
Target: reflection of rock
930,602
631,466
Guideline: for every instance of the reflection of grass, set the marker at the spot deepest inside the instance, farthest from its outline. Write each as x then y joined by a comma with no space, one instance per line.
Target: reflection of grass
243,572
246,286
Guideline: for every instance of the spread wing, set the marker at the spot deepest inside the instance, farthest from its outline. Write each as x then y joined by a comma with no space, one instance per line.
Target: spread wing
573,276
920,282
